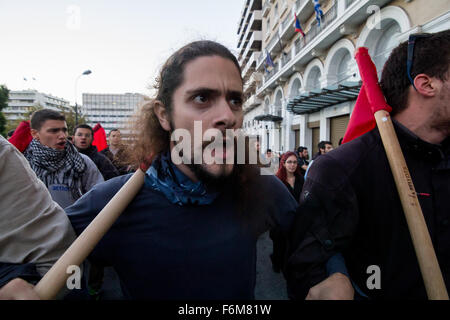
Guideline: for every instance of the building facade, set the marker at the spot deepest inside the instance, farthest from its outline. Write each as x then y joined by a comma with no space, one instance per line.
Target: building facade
112,111
309,92
20,103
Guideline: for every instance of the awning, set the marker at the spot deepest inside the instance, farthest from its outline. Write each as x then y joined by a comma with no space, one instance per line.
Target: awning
315,100
268,117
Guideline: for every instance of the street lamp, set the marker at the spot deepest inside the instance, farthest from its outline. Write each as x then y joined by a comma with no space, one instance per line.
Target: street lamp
76,105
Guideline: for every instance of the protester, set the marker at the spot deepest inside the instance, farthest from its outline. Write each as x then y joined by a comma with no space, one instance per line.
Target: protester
302,158
324,147
116,151
350,204
34,230
289,173
191,231
270,160
82,139
66,173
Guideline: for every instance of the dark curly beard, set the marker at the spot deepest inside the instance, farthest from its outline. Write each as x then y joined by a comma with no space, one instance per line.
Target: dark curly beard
213,182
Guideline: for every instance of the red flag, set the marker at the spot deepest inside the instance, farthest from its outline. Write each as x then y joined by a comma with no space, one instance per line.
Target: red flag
99,137
370,98
298,28
21,137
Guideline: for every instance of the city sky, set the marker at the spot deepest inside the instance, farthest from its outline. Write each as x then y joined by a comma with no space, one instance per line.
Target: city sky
124,43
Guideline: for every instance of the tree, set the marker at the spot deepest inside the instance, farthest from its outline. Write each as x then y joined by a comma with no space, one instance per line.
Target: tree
70,119
4,96
12,124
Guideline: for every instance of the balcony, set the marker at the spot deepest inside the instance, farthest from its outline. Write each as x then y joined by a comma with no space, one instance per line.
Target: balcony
251,65
266,8
15,103
287,28
348,3
274,46
253,44
304,9
255,5
271,73
328,17
302,54
285,58
251,103
253,25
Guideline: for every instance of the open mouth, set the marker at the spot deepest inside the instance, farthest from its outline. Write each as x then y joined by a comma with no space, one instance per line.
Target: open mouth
224,152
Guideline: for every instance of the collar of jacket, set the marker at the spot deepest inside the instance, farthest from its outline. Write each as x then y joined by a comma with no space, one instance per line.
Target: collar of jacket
414,145
88,151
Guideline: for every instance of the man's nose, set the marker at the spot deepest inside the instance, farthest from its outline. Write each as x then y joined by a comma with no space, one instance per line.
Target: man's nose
62,134
225,116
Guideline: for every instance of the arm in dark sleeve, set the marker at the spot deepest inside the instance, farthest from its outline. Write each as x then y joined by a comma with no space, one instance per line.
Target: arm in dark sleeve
85,209
25,271
324,224
107,169
281,209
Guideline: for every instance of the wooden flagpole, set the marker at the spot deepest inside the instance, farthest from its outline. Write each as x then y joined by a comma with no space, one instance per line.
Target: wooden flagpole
55,279
426,256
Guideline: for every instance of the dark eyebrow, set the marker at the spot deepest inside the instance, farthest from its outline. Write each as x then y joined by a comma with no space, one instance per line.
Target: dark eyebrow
207,91
57,128
213,92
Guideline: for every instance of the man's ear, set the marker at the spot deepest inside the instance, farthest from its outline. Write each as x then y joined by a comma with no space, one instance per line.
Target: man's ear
425,85
162,115
35,134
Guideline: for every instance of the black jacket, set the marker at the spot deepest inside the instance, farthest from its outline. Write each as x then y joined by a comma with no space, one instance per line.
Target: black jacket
350,204
122,169
106,168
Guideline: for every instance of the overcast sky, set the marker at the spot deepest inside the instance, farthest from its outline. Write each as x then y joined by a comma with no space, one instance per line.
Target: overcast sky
124,43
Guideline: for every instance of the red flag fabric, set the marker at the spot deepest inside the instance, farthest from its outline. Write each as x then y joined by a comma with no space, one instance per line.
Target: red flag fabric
370,98
99,137
21,137
298,28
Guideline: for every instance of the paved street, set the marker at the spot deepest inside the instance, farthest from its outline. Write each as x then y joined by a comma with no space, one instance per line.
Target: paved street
269,285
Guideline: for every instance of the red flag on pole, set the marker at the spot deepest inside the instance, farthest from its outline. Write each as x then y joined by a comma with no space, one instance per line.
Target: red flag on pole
21,137
362,119
298,28
99,137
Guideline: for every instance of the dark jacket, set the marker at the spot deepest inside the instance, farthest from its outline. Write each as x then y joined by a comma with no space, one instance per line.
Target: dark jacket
162,250
104,165
301,162
350,204
116,160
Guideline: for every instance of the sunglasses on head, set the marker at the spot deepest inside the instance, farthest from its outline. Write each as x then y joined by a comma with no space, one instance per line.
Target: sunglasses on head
409,62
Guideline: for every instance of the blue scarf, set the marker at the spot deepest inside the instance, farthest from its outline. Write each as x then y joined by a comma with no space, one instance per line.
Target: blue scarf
165,177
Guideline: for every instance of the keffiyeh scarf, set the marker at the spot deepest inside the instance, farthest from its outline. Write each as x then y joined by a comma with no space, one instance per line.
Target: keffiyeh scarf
57,166
165,177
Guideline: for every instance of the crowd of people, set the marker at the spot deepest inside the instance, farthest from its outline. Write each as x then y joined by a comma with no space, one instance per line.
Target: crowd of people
191,231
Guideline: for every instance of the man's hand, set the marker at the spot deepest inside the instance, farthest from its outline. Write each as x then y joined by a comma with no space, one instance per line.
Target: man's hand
335,287
18,289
